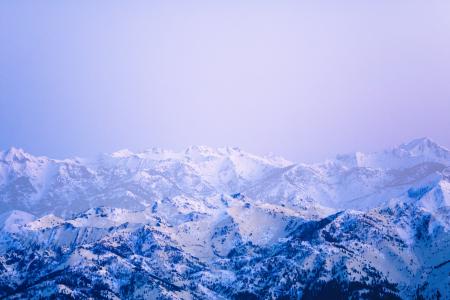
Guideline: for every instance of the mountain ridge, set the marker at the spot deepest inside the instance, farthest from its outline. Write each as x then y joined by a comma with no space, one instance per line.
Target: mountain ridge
422,143
225,224
222,170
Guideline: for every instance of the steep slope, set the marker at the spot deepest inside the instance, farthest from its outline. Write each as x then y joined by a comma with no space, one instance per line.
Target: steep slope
210,223
123,179
357,181
40,185
237,249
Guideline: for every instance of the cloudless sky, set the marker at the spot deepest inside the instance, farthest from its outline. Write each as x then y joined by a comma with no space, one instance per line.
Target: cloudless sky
302,79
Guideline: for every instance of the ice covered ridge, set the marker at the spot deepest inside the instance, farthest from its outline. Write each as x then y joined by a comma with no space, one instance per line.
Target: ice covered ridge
210,223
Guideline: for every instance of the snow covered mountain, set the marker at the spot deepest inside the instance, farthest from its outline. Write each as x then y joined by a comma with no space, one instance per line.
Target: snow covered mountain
225,224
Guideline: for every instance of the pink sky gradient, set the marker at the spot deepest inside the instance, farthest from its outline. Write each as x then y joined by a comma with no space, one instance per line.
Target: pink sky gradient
305,81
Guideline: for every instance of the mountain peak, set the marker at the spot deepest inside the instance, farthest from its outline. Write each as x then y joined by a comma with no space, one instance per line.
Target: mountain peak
419,142
14,153
122,153
200,150
424,145
12,220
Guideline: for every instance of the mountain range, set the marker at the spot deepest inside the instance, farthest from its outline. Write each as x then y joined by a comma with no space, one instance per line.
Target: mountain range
209,223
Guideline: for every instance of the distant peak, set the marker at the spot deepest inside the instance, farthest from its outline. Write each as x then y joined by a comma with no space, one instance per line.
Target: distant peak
199,150
14,153
14,150
423,142
122,153
12,220
424,146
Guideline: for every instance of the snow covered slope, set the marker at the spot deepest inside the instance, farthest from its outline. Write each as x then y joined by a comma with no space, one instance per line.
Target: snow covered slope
222,223
40,185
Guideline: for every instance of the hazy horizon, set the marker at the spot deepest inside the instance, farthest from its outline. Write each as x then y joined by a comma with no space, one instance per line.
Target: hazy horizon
138,151
304,81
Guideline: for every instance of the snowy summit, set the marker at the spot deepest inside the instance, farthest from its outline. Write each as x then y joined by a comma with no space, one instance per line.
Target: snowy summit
209,223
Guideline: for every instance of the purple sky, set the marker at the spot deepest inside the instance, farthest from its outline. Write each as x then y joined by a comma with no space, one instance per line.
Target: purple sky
306,81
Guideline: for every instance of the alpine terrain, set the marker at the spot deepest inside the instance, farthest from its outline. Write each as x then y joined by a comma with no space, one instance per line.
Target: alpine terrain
222,223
